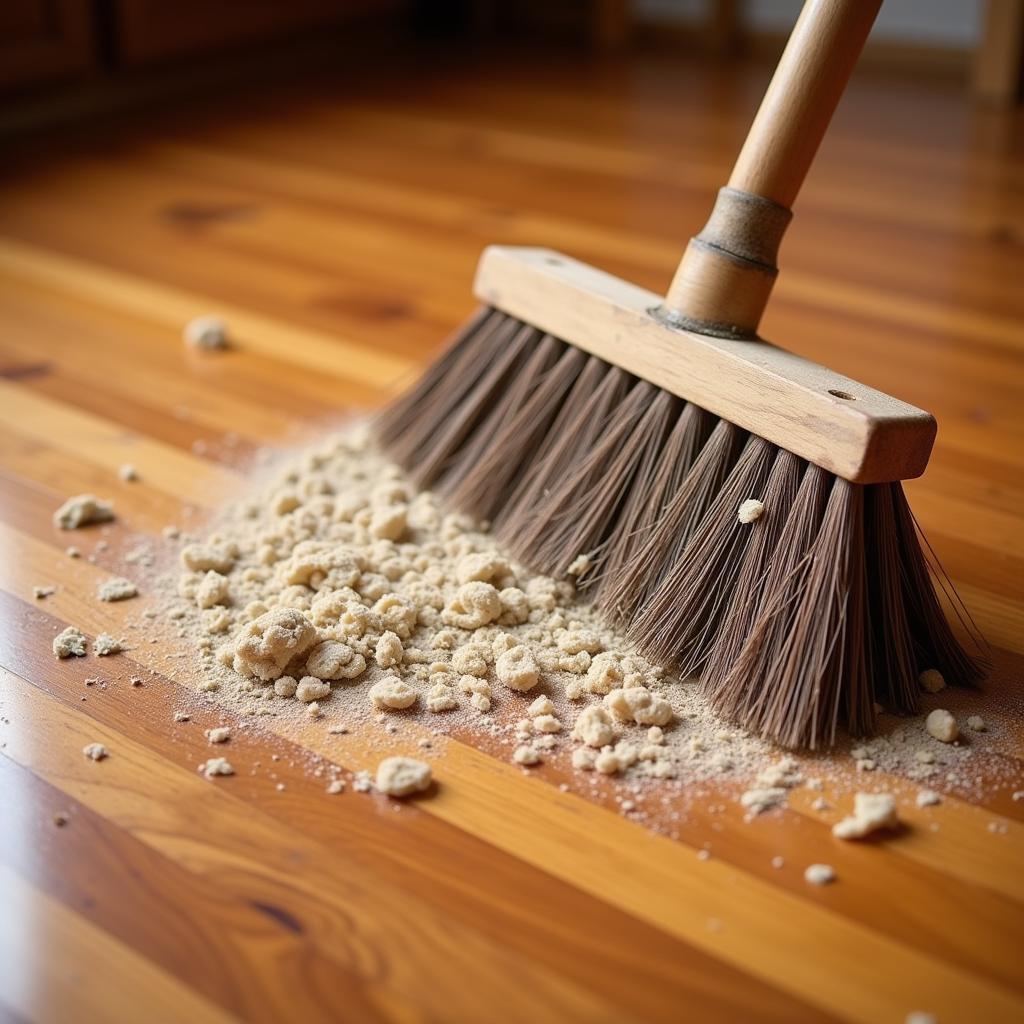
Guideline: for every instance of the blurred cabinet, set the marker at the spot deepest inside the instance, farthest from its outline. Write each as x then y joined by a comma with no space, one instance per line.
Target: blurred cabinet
149,31
41,40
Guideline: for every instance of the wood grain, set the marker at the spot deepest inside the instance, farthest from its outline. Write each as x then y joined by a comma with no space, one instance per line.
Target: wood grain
337,232
835,422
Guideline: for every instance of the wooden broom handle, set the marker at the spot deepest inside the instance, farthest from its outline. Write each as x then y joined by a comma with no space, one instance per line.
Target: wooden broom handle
725,277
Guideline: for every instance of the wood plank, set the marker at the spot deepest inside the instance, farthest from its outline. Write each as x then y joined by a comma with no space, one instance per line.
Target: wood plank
71,962
234,953
764,917
369,924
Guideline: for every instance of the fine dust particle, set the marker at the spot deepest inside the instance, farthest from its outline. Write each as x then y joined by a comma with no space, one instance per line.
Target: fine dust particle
43,591
117,589
819,874
942,725
778,862
61,818
931,681
95,751
216,766
220,734
206,333
336,786
871,812
181,716
703,855
128,473
69,643
403,776
104,645
83,510
927,798
72,552
750,511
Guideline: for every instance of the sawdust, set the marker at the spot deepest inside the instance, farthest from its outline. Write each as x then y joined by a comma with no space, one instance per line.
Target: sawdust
340,588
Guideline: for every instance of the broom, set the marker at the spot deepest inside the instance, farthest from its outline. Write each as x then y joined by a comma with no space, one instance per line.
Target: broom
583,415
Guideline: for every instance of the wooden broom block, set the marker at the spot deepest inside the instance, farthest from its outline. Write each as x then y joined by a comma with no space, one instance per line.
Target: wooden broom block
837,423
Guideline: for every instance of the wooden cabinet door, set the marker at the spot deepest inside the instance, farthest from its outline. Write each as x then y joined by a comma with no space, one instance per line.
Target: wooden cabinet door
152,30
46,39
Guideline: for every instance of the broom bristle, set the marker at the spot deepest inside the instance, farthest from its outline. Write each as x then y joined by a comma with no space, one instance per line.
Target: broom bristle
797,623
657,481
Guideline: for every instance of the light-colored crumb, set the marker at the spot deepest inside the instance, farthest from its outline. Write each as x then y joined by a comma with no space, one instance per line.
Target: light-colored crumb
403,776
219,734
336,786
927,798
388,651
579,565
931,680
128,473
594,727
216,766
181,716
83,510
70,643
95,751
517,669
942,725
871,812
105,645
819,874
526,755
778,862
921,1017
541,706
547,723
640,705
392,694
117,588
72,552
750,511
976,723
266,645
310,689
757,801
205,333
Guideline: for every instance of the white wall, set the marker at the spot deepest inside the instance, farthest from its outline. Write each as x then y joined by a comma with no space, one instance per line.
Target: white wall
951,23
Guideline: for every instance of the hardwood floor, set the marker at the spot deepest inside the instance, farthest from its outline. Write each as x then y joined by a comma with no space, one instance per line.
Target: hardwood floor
336,226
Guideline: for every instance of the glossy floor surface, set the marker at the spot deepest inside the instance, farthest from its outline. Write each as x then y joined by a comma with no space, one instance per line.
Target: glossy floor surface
336,228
